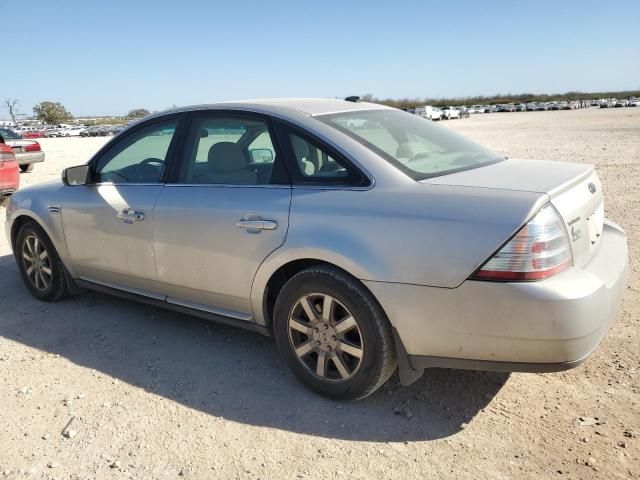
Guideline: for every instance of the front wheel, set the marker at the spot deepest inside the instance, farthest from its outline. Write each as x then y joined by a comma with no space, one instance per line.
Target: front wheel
26,168
40,267
333,334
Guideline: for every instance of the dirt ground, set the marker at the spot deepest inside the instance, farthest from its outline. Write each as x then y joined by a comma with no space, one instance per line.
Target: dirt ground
155,394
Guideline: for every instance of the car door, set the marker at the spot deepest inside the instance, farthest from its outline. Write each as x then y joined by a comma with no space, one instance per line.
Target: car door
108,223
224,211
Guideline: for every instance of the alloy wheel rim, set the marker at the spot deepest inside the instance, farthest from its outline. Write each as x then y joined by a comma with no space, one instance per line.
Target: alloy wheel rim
325,337
37,263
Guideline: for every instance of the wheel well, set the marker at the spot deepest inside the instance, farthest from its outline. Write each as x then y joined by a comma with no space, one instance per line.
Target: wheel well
281,276
17,225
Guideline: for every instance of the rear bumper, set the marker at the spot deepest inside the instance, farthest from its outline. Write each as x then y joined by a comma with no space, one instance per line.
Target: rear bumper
542,326
29,157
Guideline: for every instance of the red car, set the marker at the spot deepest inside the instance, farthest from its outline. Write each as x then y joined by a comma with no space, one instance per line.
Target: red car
9,172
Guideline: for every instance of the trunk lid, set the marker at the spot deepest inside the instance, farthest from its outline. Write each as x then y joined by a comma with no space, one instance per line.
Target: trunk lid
574,190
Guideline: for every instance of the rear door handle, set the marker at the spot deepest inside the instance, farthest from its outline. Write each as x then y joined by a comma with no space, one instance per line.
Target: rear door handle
257,223
129,215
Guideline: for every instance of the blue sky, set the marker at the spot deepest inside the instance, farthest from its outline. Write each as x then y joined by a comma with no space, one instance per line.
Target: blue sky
109,57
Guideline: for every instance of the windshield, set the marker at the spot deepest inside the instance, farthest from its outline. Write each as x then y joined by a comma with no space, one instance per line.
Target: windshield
8,134
410,143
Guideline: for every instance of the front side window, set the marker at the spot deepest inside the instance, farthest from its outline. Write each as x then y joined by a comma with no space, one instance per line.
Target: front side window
415,146
139,157
228,150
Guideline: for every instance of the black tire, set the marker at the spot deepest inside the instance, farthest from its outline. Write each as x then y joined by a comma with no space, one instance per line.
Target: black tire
57,286
378,359
26,168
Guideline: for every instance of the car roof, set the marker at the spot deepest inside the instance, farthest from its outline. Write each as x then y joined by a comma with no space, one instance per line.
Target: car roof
307,106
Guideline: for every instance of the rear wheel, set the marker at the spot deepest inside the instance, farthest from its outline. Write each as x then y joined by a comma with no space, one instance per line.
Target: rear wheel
39,264
333,335
26,168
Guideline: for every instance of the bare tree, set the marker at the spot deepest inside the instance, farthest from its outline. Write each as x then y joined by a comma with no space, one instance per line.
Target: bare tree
11,104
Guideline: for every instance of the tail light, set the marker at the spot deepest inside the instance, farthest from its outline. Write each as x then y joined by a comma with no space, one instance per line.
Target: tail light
6,154
539,250
33,147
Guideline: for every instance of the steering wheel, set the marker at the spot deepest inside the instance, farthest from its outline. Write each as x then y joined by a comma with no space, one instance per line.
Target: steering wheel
149,161
118,175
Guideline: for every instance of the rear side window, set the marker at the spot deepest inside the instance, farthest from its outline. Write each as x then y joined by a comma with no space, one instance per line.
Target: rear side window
315,163
311,162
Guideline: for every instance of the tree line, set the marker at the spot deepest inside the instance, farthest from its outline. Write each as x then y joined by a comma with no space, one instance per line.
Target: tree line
53,113
498,98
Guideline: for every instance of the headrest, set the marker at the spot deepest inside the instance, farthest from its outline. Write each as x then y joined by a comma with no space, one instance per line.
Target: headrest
300,147
226,157
409,150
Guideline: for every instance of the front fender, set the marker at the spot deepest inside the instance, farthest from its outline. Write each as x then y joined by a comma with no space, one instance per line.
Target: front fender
37,208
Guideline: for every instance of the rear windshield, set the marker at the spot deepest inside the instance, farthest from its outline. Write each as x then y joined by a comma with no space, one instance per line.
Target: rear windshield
412,144
8,134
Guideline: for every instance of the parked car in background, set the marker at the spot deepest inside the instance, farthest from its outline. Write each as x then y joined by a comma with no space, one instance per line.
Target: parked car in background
51,132
347,298
87,131
464,113
9,172
73,131
24,130
429,112
450,113
39,133
27,151
119,128
521,107
634,102
621,103
105,131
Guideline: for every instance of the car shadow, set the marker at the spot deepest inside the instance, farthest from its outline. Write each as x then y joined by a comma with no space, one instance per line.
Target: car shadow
231,373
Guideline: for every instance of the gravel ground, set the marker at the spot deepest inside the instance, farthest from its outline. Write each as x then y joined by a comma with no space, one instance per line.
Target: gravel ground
155,394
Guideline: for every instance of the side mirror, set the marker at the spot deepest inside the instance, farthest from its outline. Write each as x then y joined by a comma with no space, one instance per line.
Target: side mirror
76,175
261,155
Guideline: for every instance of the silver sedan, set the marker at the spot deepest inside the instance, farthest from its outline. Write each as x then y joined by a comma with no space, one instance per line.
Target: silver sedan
361,237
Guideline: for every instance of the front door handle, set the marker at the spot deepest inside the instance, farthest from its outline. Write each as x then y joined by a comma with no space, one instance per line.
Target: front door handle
129,215
254,222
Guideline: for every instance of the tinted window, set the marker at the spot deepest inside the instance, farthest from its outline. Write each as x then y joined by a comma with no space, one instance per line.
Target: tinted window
228,150
139,157
8,134
413,145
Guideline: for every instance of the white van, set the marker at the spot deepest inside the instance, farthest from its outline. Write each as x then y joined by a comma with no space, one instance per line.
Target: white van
429,112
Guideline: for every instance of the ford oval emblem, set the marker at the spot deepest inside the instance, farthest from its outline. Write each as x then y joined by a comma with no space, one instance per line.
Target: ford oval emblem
592,187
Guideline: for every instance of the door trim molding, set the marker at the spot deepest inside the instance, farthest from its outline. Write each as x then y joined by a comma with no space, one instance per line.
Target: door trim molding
227,317
213,310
